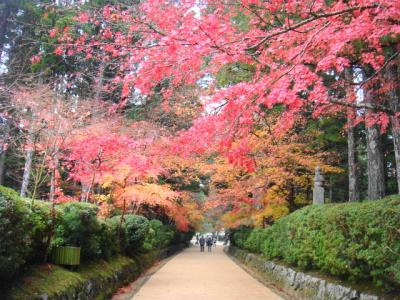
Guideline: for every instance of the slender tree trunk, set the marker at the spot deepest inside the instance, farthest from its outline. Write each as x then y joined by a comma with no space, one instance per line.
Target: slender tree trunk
5,14
4,18
100,82
27,172
392,76
53,180
2,166
53,183
354,194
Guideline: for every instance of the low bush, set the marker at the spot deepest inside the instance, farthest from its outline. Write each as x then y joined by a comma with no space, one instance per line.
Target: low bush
358,241
27,227
181,237
160,235
39,222
79,226
15,235
239,236
108,237
133,232
255,240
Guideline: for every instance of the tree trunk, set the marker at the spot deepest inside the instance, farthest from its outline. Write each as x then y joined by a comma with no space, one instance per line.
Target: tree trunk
100,82
396,142
392,77
27,172
2,166
5,14
376,174
376,168
354,194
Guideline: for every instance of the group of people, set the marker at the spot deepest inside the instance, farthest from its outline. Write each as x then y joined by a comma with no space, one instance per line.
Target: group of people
209,241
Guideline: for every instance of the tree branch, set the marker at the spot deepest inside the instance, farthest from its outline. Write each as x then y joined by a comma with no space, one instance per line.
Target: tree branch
364,105
308,20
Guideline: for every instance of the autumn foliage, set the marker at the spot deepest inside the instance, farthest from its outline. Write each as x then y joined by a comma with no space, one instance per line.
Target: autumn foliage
247,137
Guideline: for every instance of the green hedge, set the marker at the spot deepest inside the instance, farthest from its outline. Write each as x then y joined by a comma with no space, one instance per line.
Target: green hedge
27,232
240,235
358,241
15,237
39,223
159,236
79,226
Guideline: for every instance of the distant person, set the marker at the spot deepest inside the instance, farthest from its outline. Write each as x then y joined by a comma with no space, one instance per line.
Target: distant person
215,242
209,244
202,241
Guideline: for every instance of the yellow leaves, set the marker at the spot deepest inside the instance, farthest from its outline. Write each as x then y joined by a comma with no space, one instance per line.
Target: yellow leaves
145,193
274,195
274,211
100,198
108,181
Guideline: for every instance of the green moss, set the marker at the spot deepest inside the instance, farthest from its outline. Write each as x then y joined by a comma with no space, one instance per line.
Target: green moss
44,279
54,280
104,268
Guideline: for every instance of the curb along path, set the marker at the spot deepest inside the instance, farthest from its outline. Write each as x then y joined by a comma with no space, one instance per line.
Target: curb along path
194,275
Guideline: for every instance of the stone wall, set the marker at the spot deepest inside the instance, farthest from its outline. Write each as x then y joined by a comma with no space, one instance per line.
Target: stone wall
101,285
295,283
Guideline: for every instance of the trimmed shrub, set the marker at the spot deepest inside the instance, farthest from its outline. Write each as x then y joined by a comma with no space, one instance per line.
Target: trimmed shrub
133,232
159,236
180,237
9,193
15,240
79,226
40,228
239,236
108,237
39,222
358,241
255,240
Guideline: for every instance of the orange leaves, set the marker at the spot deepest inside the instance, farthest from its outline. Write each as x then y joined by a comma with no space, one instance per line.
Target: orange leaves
281,180
145,193
136,196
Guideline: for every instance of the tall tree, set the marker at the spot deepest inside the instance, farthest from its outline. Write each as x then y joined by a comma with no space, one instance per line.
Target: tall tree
392,75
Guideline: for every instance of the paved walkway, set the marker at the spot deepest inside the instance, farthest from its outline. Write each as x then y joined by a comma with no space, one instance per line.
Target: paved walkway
192,275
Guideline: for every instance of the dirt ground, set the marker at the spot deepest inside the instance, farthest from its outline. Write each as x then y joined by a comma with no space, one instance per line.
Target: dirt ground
195,275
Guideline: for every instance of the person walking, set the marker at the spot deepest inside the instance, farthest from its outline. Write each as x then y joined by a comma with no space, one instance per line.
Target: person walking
209,243
202,241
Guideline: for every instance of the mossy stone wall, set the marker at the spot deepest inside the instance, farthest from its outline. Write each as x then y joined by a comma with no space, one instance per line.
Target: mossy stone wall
95,280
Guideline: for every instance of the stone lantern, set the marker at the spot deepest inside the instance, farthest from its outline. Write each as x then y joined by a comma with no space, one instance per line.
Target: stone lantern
318,192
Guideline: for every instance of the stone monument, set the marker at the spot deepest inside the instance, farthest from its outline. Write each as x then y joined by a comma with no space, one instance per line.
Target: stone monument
318,192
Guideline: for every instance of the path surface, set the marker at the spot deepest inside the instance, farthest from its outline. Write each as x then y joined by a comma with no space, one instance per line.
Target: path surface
192,275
